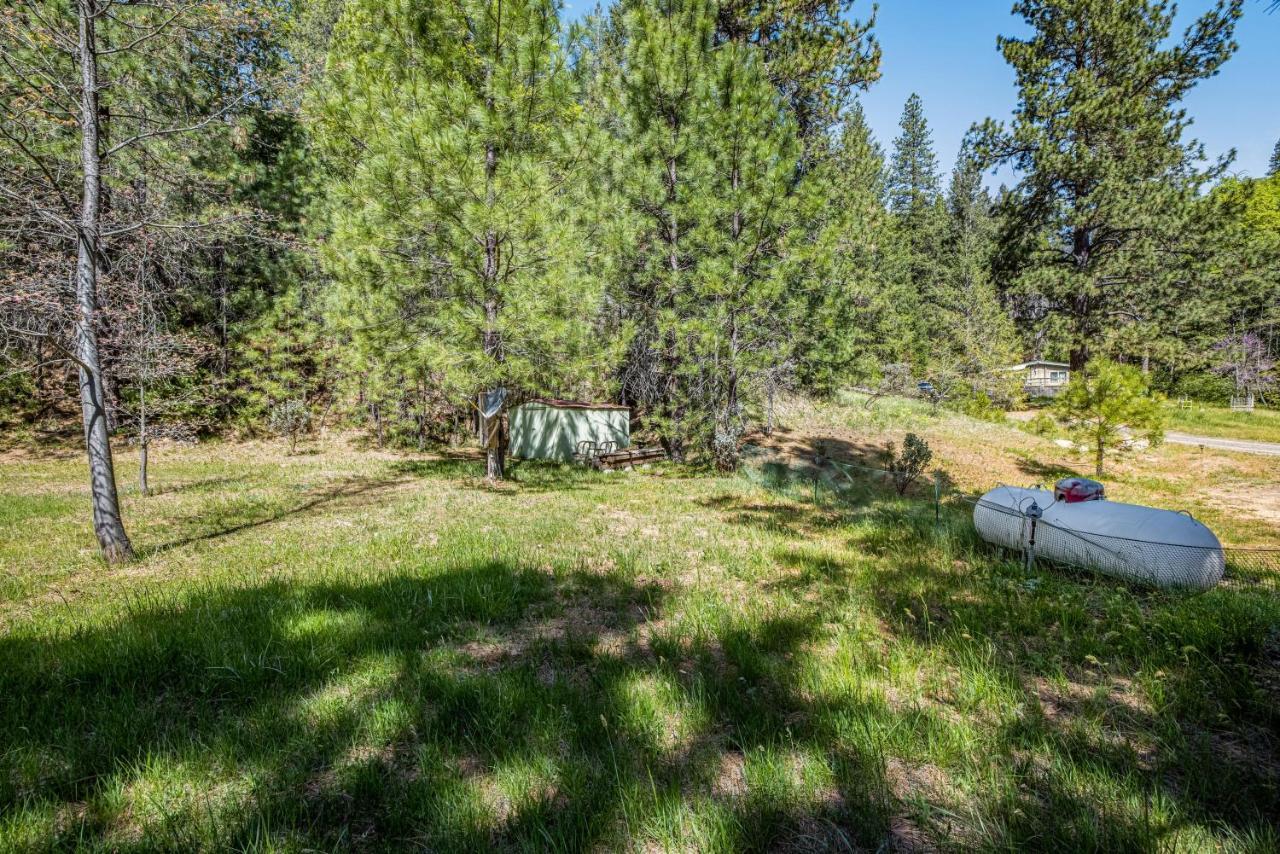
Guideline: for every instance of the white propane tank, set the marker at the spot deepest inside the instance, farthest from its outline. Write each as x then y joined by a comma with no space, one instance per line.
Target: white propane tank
1129,541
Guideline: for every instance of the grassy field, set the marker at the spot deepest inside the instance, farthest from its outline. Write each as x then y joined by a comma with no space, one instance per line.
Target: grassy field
349,649
1260,425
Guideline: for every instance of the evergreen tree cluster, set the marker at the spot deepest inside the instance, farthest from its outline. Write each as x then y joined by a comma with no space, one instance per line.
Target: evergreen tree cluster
676,204
412,216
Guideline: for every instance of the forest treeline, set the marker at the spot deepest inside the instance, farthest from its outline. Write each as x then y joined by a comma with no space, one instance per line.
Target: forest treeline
269,215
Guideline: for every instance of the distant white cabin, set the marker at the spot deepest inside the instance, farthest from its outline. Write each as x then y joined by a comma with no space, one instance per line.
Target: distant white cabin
546,429
1041,378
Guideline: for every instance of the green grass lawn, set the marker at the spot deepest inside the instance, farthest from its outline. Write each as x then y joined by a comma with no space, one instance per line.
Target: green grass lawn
1260,425
347,649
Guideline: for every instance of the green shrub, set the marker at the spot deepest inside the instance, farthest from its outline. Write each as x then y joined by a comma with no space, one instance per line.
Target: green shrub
980,405
290,419
1043,425
17,395
1204,387
910,464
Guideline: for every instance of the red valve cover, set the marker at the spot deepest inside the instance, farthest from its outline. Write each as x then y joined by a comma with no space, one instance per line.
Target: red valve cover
1074,489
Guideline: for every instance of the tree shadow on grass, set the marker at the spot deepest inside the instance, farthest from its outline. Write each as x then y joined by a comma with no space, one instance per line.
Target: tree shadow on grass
485,705
821,499
523,476
1047,472
457,467
788,520
201,485
1104,761
844,451
244,513
818,449
1074,647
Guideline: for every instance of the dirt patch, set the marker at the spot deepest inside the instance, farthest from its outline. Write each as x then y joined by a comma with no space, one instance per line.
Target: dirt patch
731,780
905,835
908,782
1258,500
1118,699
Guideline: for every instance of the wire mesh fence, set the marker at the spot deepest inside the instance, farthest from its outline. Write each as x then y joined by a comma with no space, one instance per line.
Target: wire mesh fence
1165,564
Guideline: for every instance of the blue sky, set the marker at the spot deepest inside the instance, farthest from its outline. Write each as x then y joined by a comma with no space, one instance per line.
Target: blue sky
946,51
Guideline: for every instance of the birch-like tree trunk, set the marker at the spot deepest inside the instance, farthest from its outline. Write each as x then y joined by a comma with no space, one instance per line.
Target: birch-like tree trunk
107,522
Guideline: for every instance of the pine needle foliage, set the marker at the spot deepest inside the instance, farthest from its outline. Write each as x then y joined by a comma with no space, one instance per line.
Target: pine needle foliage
455,240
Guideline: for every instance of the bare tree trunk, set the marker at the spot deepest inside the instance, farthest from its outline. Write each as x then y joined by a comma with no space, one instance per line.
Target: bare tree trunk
727,458
491,433
491,428
143,439
324,416
727,453
41,405
224,387
1082,309
1100,453
147,328
107,522
768,424
673,441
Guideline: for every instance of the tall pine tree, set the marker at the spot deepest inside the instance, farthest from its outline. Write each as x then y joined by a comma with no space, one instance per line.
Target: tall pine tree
1108,181
453,234
915,199
848,316
656,98
979,338
732,327
913,168
707,158
816,52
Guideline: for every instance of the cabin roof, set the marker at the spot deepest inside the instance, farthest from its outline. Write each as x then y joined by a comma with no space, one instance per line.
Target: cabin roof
1022,366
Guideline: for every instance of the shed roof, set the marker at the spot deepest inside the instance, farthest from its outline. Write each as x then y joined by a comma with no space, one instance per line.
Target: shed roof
575,404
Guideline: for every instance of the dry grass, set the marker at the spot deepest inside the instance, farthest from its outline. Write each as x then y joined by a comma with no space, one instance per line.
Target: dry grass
1234,493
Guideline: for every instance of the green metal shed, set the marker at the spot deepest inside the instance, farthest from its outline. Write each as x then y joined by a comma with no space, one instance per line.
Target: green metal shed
547,429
